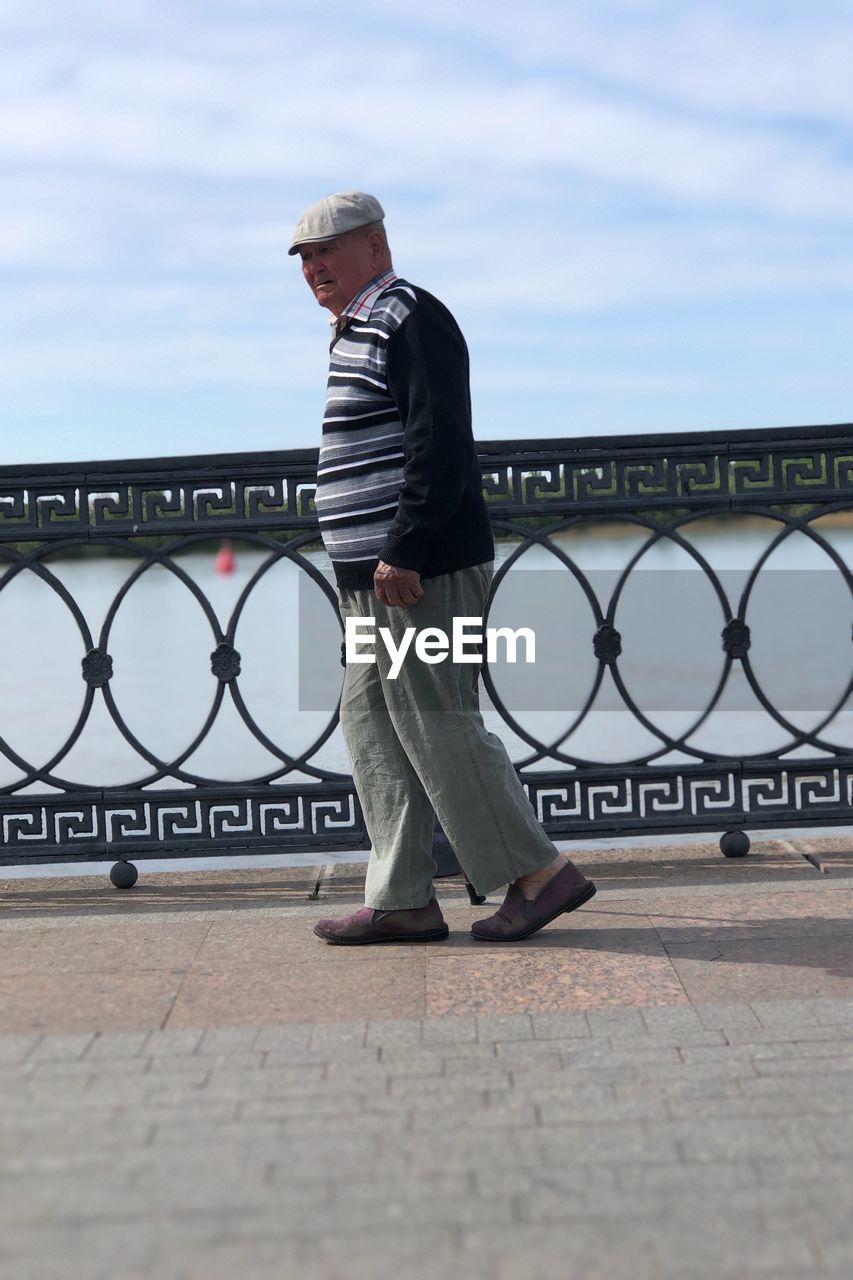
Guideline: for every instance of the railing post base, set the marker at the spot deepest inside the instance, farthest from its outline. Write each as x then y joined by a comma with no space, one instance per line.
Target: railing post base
124,875
734,844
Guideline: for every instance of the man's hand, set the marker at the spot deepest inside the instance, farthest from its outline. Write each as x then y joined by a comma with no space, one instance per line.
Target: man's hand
397,586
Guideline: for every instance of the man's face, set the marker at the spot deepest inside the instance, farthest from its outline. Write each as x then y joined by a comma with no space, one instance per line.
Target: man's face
337,269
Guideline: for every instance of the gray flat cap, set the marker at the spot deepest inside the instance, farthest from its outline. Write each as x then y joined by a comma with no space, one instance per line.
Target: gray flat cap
333,215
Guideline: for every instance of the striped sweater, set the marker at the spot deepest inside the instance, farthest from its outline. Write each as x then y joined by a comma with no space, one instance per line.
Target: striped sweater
398,478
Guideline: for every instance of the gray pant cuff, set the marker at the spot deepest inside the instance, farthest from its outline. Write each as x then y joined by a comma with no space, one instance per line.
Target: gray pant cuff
399,906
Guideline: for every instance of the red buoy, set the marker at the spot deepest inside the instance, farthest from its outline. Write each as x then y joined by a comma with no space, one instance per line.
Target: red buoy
226,561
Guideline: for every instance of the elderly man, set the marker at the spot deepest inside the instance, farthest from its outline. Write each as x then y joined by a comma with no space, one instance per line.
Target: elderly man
402,515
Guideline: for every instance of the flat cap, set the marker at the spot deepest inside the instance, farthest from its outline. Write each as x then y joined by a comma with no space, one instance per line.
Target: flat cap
333,215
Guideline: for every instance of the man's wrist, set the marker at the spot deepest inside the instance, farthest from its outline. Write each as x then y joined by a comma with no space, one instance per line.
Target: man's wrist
404,552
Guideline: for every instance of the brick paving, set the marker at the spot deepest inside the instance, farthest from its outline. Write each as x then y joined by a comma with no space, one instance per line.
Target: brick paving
659,1085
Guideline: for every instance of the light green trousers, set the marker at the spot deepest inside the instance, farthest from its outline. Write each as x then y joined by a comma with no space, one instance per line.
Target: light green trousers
418,747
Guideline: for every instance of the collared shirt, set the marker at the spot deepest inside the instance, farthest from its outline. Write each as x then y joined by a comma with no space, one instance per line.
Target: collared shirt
360,307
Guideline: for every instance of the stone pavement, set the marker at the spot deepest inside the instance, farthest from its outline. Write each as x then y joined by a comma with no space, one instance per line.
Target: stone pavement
660,1085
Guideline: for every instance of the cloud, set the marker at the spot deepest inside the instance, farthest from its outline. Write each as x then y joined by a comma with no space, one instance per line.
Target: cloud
187,360
236,114
33,238
600,162
773,61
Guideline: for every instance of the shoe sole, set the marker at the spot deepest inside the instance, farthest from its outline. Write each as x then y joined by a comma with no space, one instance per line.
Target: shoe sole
433,935
589,892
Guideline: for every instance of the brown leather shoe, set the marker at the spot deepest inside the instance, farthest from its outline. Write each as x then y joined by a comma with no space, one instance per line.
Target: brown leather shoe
517,918
420,924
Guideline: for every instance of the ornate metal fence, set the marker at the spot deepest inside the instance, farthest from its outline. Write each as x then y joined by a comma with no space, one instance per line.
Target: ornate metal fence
540,492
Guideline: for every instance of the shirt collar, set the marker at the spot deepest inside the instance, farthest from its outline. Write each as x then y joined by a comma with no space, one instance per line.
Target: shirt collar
362,304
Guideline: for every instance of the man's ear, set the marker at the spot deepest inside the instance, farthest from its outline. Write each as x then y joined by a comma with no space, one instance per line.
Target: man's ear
376,240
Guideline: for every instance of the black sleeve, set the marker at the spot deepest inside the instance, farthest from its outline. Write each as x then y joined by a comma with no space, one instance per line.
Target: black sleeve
427,368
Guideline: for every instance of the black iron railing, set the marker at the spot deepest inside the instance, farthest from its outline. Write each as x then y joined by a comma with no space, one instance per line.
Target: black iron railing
154,511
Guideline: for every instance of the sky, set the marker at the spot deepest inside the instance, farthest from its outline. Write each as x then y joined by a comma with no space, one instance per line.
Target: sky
640,211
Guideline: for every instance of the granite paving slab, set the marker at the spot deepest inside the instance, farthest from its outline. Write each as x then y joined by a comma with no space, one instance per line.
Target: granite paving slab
766,969
105,946
549,979
696,864
72,1000
770,914
369,986
165,891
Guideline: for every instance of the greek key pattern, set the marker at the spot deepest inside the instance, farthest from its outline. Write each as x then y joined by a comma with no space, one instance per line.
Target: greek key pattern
709,799
109,505
72,826
683,474
276,490
317,817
